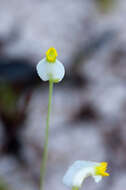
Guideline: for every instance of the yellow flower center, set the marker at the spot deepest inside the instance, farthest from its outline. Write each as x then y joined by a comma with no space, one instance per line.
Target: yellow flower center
51,55
101,169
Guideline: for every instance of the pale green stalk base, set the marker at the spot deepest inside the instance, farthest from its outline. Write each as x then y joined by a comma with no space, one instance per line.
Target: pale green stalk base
45,153
75,188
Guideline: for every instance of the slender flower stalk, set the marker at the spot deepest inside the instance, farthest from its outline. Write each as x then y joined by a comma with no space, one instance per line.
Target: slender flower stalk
52,70
45,153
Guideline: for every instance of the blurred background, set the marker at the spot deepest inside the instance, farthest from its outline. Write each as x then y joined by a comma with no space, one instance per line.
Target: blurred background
89,106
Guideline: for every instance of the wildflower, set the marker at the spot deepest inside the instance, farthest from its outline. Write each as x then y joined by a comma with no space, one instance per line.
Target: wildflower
76,174
49,68
52,70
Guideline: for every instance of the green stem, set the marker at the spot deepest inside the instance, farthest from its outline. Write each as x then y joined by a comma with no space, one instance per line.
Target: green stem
45,153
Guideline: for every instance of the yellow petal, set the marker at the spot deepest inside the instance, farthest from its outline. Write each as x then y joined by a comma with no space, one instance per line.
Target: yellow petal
101,169
51,55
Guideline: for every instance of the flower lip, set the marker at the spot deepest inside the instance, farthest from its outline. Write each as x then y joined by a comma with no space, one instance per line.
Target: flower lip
51,55
101,169
50,71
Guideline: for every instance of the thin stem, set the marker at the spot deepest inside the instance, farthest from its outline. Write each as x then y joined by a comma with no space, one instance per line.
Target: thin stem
45,153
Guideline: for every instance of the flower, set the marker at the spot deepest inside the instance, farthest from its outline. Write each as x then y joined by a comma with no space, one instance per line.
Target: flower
76,174
49,68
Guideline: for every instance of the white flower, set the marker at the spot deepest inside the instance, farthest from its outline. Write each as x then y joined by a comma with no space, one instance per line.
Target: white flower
49,68
76,174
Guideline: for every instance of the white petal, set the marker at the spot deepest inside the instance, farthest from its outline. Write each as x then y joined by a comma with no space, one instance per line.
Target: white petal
97,178
78,172
53,71
41,70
